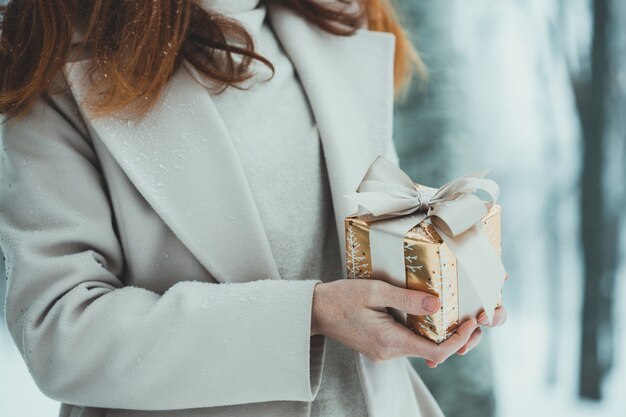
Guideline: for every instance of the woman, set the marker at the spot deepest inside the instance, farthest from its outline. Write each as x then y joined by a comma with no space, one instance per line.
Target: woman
172,210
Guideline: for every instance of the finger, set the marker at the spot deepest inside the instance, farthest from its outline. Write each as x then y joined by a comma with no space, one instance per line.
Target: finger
433,353
473,341
392,341
415,345
455,342
499,317
506,277
410,301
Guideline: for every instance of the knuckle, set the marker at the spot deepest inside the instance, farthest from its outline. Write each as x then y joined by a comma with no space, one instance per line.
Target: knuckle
383,355
377,356
407,300
384,340
385,344
375,292
376,285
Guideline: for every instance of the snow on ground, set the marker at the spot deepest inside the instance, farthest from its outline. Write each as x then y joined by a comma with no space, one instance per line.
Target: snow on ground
520,366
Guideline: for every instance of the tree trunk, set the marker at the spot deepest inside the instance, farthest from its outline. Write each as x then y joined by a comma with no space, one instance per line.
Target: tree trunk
602,191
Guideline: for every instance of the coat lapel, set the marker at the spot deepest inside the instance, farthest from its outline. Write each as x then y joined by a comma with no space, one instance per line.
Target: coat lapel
182,161
181,158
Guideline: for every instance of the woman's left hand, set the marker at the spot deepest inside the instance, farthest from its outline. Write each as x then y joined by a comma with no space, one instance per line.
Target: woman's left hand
498,319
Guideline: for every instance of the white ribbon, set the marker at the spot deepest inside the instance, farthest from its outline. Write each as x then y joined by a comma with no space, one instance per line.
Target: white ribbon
389,198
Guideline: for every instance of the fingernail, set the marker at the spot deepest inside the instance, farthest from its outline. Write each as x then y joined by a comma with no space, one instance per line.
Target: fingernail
430,303
482,318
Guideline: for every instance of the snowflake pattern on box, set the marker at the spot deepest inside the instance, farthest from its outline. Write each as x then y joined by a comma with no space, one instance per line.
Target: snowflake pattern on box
430,266
356,260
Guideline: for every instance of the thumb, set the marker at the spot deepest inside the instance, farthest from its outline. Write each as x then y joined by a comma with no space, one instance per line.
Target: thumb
410,301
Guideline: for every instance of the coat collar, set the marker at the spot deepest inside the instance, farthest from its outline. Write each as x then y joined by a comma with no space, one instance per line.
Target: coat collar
181,159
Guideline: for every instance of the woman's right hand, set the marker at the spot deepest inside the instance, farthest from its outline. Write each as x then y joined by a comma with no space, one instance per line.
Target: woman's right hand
353,312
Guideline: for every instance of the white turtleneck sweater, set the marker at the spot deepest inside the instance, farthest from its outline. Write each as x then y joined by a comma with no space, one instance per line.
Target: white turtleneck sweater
274,131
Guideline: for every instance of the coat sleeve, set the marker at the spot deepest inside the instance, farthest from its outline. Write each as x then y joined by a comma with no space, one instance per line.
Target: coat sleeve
88,339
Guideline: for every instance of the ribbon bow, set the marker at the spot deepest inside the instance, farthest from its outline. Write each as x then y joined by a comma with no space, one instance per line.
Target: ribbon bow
388,196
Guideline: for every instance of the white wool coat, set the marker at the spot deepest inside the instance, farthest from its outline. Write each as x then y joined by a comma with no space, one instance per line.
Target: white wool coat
141,282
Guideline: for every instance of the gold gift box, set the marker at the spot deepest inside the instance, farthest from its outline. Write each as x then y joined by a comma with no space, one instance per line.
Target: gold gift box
430,267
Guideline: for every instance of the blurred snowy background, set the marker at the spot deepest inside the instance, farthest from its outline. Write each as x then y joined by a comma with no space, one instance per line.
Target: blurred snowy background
536,90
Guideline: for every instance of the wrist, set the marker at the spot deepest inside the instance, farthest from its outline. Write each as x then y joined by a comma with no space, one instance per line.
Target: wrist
316,311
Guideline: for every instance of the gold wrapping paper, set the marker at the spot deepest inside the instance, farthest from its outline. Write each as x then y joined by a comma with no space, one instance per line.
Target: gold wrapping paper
430,266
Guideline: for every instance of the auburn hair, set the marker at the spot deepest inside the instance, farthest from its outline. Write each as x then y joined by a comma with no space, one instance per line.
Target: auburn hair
136,46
